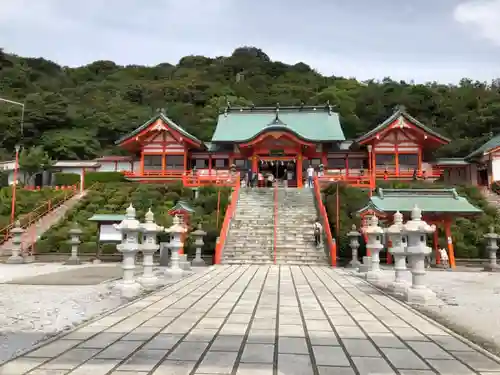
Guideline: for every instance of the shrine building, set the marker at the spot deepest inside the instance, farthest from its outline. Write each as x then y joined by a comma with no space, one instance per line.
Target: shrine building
284,142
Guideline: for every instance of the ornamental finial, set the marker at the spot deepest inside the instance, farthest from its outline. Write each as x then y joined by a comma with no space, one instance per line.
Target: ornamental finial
149,217
130,212
416,213
398,218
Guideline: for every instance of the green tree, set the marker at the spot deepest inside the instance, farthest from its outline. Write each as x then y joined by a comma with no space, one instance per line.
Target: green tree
33,160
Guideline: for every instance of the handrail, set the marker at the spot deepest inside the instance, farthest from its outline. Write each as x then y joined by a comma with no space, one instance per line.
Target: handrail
231,209
275,219
331,243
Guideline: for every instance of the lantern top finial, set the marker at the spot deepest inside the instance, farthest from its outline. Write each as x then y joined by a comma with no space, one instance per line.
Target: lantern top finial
130,212
416,213
149,217
398,218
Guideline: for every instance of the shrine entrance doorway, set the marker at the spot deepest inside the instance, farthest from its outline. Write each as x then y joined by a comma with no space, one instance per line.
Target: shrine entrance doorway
282,169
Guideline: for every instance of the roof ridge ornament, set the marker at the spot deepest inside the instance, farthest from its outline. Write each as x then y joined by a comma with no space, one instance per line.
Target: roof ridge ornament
330,107
400,108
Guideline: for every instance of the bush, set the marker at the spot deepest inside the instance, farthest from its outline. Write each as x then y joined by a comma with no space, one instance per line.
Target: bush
495,187
66,179
467,233
104,177
114,198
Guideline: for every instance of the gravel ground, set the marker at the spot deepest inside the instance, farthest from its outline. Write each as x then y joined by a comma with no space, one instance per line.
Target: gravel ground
29,314
468,303
32,313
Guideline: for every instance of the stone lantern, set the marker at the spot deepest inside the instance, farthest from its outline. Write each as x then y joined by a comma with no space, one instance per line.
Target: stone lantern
148,247
398,251
492,247
15,257
130,229
177,230
75,232
374,233
198,234
354,243
416,231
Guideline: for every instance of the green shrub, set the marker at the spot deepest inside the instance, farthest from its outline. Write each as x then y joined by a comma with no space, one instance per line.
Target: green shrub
103,177
495,187
66,179
115,197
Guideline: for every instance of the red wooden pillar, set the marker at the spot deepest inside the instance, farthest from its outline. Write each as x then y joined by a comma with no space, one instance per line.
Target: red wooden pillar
299,170
436,245
449,240
255,166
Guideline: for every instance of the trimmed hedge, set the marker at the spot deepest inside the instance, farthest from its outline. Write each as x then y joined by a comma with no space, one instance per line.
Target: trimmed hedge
103,177
114,198
66,179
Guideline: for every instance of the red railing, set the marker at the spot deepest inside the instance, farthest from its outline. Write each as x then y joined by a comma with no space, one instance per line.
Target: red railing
275,220
38,212
175,174
330,241
231,209
220,178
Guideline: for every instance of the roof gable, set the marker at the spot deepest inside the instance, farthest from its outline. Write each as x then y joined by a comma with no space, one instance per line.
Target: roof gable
155,125
400,114
318,124
490,145
439,201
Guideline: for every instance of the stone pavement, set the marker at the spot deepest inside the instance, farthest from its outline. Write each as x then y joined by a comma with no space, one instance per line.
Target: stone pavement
259,320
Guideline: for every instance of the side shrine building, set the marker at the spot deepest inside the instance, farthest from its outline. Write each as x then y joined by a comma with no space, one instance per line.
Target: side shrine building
282,142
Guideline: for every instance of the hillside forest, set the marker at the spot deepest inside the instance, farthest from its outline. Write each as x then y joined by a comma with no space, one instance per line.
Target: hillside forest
78,113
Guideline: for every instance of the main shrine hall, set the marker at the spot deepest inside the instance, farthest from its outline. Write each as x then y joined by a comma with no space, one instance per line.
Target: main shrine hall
283,142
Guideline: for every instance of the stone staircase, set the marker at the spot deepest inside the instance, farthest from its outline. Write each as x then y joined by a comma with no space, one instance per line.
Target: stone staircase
492,198
251,235
43,225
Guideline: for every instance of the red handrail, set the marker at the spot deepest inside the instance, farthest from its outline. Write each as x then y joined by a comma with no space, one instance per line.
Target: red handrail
330,241
231,208
275,219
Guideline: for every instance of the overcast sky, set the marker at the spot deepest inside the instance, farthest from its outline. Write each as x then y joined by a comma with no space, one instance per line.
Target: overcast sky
424,40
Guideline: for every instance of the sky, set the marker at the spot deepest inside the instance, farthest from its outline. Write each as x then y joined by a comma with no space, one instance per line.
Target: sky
420,40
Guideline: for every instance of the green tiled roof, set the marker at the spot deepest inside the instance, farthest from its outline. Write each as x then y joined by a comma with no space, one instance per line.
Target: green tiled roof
488,146
428,200
107,217
167,120
400,111
451,161
182,206
308,123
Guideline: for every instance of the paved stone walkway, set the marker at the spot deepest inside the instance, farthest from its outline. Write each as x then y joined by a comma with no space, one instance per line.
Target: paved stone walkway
259,320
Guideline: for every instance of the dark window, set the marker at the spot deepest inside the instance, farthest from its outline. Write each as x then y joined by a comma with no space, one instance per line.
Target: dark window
221,163
410,160
315,162
240,163
356,163
201,163
382,160
336,163
152,162
174,161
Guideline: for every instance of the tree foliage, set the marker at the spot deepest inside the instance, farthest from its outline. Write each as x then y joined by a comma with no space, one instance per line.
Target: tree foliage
33,160
77,113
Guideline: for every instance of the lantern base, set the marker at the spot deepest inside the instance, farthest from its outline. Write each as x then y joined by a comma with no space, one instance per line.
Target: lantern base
128,290
198,262
374,276
492,268
149,282
174,273
15,259
29,259
353,264
399,287
183,263
419,296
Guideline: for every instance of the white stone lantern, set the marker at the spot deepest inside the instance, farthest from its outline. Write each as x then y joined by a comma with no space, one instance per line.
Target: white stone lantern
398,251
198,234
75,232
176,233
148,247
354,243
130,229
374,233
15,249
492,247
416,231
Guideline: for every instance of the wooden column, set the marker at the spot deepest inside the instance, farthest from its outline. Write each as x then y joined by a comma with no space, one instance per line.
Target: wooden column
163,162
142,162
419,167
185,159
210,165
436,245
299,170
255,165
396,154
346,161
449,240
